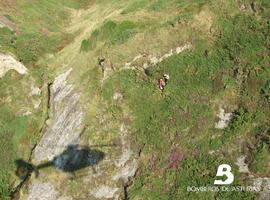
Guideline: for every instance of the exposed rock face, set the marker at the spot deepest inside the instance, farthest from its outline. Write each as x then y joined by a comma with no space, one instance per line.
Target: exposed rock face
241,163
7,62
43,191
60,145
66,118
75,158
61,134
127,172
36,103
123,169
264,185
153,60
126,164
117,96
106,192
35,91
224,119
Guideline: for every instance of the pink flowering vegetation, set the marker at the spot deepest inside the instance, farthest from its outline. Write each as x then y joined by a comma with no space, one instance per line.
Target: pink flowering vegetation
175,159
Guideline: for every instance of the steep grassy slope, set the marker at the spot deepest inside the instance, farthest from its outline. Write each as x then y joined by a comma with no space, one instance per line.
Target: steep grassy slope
228,67
174,132
32,30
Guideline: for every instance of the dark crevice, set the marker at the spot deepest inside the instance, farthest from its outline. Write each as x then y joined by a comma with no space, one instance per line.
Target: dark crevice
49,96
128,184
126,193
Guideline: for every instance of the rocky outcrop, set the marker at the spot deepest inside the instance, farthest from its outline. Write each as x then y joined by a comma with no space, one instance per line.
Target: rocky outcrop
241,163
124,167
60,134
35,91
65,123
42,191
224,119
106,192
45,191
7,62
142,61
60,145
264,185
153,60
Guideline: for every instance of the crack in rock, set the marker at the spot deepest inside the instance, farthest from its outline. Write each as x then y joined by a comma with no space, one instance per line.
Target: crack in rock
66,116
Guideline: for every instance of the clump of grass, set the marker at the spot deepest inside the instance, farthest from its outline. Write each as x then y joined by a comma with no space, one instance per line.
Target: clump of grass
260,159
30,53
111,33
241,117
266,90
4,185
122,32
85,46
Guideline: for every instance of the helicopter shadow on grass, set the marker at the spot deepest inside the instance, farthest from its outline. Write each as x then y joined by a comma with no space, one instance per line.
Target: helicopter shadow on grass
72,159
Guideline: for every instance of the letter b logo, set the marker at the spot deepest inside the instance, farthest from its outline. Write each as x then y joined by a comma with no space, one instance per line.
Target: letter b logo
224,169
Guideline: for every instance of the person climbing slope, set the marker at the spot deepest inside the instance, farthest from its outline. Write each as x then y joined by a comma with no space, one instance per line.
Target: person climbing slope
162,84
163,81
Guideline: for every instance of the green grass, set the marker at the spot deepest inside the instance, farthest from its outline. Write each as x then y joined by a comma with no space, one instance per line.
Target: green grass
40,30
266,90
162,5
40,25
234,57
12,130
111,33
159,5
4,185
261,159
186,108
30,46
135,5
86,45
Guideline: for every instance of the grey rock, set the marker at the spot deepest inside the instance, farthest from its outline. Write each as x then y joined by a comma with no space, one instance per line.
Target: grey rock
106,192
43,191
224,119
264,185
241,163
66,118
